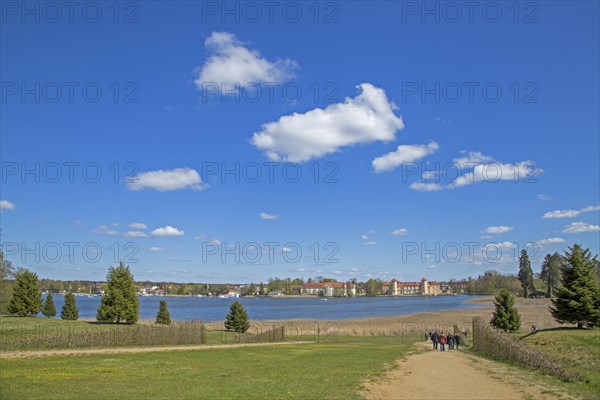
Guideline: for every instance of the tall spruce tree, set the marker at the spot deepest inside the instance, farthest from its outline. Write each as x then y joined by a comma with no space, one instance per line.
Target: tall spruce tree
525,273
27,296
69,311
578,299
49,310
163,317
120,303
550,272
237,319
506,316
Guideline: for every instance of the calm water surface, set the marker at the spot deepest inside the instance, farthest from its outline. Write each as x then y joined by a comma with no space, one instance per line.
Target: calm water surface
268,308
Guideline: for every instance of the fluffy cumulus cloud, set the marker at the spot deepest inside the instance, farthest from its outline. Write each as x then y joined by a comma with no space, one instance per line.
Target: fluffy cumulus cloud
231,63
548,241
138,225
166,231
399,232
6,205
105,230
482,168
403,154
498,229
426,186
167,180
580,227
366,118
268,217
570,213
135,234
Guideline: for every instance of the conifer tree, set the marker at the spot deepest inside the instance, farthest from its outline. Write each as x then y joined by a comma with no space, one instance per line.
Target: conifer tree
506,316
69,310
525,273
550,272
163,317
237,319
26,298
49,310
120,303
578,299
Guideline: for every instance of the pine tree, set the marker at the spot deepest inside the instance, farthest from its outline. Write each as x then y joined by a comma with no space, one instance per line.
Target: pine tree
49,310
525,273
163,317
550,272
120,303
69,311
237,319
27,296
577,300
506,316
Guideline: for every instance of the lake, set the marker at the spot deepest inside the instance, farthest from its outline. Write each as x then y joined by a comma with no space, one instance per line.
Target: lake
268,308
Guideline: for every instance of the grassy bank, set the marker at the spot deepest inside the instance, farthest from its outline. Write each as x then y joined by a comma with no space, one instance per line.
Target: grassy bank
332,369
578,349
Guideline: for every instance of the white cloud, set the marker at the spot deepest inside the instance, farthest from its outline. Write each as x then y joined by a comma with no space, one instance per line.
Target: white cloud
166,180
166,232
366,118
570,213
402,155
268,217
484,168
300,269
579,227
364,237
369,243
105,230
431,267
230,63
157,249
138,225
544,197
6,205
399,232
498,229
550,241
132,234
426,187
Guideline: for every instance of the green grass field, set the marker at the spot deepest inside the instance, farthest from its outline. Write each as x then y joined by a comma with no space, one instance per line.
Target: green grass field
302,371
579,349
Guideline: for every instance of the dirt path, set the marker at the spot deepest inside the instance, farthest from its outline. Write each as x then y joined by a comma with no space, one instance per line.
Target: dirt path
429,374
129,350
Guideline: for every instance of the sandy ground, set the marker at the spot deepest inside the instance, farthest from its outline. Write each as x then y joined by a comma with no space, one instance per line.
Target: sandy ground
428,374
129,350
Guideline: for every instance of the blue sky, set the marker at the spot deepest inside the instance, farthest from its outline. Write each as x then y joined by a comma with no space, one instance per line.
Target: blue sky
429,142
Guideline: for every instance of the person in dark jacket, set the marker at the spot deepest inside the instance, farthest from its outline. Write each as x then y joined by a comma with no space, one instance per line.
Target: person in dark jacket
435,339
456,341
450,341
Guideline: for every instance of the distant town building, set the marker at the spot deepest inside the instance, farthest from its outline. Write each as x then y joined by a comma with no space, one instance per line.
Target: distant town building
328,289
424,287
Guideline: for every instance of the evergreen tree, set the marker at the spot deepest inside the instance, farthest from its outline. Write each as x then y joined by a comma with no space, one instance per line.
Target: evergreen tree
506,316
27,296
69,311
550,272
237,319
163,317
49,310
578,299
120,303
7,271
525,273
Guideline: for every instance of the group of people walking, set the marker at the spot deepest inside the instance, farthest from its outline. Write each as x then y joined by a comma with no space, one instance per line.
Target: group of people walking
440,340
